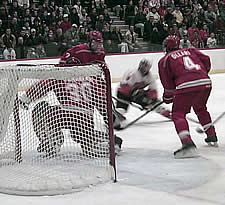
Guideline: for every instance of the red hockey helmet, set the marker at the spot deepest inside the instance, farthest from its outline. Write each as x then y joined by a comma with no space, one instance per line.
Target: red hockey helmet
95,36
172,43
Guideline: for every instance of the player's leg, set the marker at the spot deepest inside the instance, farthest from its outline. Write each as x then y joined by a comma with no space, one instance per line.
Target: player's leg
48,132
181,106
120,110
204,117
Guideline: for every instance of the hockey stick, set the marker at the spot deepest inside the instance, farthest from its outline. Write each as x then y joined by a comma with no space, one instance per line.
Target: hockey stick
204,129
141,116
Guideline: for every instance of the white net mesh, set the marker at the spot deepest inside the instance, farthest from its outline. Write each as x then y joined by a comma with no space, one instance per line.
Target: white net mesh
54,129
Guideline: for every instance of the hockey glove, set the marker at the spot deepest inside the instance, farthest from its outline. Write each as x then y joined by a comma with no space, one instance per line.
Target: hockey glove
167,97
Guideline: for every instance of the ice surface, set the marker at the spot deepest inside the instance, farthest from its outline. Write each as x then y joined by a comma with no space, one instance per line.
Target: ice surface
147,172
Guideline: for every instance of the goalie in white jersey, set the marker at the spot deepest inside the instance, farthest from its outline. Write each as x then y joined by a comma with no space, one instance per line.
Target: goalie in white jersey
138,86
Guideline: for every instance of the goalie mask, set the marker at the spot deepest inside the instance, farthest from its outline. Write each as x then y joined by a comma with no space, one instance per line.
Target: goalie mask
145,66
95,40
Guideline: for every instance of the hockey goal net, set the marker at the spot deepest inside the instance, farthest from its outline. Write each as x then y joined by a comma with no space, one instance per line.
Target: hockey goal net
60,139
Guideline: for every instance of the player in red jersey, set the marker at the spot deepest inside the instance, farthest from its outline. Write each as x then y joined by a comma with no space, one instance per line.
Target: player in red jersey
48,121
184,76
93,52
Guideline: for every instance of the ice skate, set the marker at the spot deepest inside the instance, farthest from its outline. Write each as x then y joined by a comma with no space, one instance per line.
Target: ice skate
212,141
187,151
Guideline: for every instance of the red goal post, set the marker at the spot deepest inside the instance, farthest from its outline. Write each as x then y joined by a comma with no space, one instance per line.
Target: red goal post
77,121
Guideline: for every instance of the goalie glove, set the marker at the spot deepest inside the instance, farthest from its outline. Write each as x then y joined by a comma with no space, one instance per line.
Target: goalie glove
24,102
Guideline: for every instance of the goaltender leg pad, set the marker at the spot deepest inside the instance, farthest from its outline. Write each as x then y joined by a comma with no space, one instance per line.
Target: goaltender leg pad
50,137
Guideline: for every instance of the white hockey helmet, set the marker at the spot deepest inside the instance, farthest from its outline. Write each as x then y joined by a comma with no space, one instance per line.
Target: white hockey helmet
145,66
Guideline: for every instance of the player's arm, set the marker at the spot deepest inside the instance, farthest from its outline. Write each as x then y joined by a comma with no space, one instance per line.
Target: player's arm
36,91
166,80
205,60
70,57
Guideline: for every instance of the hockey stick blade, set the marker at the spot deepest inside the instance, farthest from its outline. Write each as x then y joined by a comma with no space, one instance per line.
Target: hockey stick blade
200,130
141,116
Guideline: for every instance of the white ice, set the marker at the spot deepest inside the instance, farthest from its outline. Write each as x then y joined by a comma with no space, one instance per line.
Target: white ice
146,170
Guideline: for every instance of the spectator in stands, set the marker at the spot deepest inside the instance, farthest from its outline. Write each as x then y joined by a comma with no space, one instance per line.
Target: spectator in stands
107,38
210,18
74,17
9,39
65,24
59,38
196,5
72,36
9,53
192,29
33,39
40,51
178,15
162,10
83,16
211,41
164,32
131,39
89,24
31,53
174,30
20,48
148,28
2,29
50,37
196,40
183,30
101,7
14,26
83,34
107,17
139,22
123,46
184,42
94,16
52,6
130,13
204,33
155,35
2,48
169,18
91,6
100,23
116,37
14,7
155,15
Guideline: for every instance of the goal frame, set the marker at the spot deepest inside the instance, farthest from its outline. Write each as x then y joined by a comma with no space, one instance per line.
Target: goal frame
18,156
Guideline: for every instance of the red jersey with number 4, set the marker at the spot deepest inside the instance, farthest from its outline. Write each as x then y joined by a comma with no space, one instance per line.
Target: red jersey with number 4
184,70
81,54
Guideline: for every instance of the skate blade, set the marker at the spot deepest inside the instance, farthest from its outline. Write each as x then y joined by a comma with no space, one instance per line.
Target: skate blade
190,153
213,144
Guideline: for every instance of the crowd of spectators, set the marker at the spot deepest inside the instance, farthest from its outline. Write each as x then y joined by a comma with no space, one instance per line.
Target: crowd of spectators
26,26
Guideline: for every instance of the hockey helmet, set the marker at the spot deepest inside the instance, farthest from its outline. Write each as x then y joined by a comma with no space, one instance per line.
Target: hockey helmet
145,66
95,40
95,36
171,43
